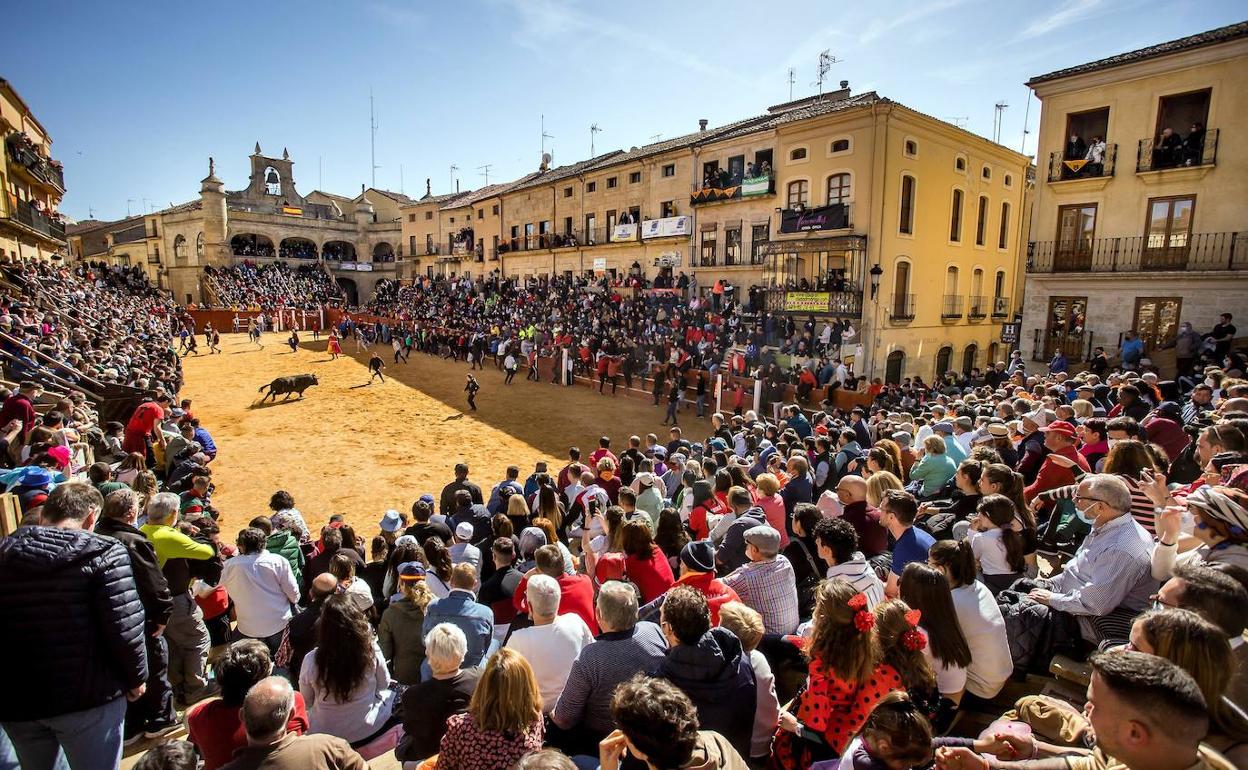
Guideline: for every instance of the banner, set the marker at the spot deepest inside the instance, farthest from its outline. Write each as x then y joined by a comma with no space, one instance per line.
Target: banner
626,232
346,265
755,185
1074,165
806,301
834,217
668,259
666,227
293,211
600,263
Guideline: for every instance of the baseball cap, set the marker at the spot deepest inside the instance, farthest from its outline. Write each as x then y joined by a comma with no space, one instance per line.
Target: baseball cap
411,571
390,521
463,531
1060,426
426,498
944,426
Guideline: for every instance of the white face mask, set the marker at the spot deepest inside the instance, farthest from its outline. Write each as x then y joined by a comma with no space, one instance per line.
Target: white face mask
1209,381
1111,442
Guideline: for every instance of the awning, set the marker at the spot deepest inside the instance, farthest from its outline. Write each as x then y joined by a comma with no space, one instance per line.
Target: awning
816,245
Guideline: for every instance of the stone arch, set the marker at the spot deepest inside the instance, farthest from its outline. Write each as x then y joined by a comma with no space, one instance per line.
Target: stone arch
383,252
338,251
199,246
251,245
969,356
895,367
349,289
298,248
944,361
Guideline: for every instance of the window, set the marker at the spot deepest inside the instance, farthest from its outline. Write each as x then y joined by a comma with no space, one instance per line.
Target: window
999,300
567,225
1169,231
612,181
838,189
669,169
199,245
912,148
667,209
634,177
428,215
959,164
977,285
981,221
943,357
759,235
951,281
986,173
480,213
1157,320
839,145
1003,235
611,220
411,217
179,248
1081,128
1009,180
901,290
799,193
1076,227
1067,319
707,256
411,244
567,192
494,209
955,218
798,153
732,246
907,206
452,220
591,222
591,187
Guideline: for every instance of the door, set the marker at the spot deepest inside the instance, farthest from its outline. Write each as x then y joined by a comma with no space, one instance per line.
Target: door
1076,227
1169,232
1067,319
893,369
1157,321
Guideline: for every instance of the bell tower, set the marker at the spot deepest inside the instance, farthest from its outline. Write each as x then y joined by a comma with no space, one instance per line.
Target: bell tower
273,179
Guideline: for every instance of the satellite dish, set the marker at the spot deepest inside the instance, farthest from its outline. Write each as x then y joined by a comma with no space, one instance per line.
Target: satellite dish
546,158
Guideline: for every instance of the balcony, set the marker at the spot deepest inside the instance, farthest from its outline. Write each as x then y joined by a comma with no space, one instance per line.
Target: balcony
1177,252
901,308
1062,170
26,215
44,170
731,189
758,252
951,307
1189,153
1000,308
979,308
847,304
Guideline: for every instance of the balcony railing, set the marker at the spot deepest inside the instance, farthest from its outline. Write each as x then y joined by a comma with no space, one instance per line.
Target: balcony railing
758,252
901,307
1062,170
25,214
979,308
951,307
1178,251
1076,345
1156,155
846,303
22,151
730,189
1000,307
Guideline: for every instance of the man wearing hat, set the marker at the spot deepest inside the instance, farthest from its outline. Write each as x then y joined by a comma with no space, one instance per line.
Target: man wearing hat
1059,439
1165,428
953,449
767,583
1032,444
462,550
649,498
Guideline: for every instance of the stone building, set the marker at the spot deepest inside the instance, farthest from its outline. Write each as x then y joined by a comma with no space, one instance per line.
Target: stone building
843,205
1154,231
31,181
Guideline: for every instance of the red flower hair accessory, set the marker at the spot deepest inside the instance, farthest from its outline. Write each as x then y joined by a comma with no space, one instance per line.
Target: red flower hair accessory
912,618
914,640
858,601
864,621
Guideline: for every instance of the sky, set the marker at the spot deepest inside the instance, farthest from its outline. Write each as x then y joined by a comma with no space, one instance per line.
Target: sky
137,95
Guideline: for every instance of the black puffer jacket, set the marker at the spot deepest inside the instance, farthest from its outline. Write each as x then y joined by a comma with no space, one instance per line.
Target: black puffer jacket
149,580
73,623
716,675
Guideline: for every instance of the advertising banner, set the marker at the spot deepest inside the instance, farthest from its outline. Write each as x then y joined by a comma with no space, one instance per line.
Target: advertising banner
834,217
665,227
806,301
626,232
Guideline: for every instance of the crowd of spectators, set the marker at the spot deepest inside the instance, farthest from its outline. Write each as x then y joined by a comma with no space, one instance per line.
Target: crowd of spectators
251,286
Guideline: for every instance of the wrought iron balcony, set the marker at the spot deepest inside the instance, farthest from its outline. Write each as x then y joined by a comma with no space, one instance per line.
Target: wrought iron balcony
1156,154
27,215
22,150
1064,170
979,308
1177,251
951,308
1000,307
901,308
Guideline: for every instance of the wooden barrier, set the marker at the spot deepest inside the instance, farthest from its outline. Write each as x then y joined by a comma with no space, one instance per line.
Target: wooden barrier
10,514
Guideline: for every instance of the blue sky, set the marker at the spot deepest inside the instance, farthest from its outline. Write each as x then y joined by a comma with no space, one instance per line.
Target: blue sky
137,96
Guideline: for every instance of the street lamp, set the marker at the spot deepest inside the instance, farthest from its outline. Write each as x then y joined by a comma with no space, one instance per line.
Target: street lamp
876,271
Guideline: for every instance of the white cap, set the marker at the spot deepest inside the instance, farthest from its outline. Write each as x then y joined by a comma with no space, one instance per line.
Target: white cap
463,531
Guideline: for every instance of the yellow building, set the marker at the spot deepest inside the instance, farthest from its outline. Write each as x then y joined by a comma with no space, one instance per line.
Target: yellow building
32,183
1155,229
840,205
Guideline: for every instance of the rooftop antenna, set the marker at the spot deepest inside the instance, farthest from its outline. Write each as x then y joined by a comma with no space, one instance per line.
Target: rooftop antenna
128,202
1026,117
959,120
454,168
999,113
372,137
656,137
485,172
792,80
401,190
90,212
545,136
593,129
826,60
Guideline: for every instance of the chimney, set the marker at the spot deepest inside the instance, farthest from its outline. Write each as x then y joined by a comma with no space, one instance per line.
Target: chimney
702,124
844,84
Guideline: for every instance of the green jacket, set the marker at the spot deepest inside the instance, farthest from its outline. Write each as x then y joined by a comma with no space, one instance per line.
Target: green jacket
285,544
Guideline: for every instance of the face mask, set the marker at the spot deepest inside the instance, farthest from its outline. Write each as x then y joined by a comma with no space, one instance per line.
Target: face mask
608,475
1082,513
1209,381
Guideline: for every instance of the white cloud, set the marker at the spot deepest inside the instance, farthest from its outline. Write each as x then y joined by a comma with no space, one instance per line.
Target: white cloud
1069,12
880,27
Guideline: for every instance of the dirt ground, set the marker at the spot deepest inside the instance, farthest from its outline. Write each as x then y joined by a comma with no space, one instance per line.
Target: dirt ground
357,449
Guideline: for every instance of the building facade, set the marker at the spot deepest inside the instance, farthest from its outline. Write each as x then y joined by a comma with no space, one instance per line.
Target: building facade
1151,229
842,205
31,181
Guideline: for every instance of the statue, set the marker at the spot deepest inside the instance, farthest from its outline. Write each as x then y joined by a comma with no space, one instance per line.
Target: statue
212,166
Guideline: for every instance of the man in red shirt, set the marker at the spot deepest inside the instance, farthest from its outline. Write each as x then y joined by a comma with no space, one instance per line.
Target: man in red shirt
577,590
21,406
603,450
1059,439
143,424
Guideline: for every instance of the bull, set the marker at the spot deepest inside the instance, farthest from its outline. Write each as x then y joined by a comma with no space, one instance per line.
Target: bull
288,385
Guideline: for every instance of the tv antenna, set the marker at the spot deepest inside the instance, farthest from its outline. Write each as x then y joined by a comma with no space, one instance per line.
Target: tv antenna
401,190
959,120
826,60
656,137
998,114
1026,118
372,137
792,80
545,136
454,168
128,202
593,129
485,172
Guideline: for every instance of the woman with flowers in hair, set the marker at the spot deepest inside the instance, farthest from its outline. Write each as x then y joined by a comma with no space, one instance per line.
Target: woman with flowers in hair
847,679
903,645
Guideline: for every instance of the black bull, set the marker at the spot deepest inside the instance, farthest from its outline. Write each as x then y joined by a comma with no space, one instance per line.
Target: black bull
288,385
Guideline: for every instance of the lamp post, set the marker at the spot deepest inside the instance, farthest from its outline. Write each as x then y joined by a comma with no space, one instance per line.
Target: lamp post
876,271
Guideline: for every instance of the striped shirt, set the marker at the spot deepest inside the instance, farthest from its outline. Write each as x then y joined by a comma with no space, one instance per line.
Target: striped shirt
1111,569
770,587
861,576
613,658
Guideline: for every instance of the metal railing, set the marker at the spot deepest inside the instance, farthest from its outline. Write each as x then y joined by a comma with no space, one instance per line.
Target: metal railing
732,188
22,151
1153,156
839,303
979,308
1000,307
1059,171
1075,345
901,307
951,307
1177,251
25,214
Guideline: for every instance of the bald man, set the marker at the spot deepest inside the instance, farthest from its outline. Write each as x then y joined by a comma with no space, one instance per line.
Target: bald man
265,712
872,537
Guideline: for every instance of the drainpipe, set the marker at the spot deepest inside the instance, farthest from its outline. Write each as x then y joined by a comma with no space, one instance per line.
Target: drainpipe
874,237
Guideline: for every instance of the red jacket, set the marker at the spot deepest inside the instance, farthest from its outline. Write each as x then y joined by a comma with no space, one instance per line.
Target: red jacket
1052,475
577,596
717,594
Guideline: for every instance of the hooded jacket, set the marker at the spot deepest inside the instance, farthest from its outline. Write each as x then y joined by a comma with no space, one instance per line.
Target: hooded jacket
717,677
284,543
75,623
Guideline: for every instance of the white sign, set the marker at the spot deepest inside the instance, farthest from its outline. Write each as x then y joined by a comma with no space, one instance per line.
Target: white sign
668,259
626,232
665,227
366,267
346,266
600,263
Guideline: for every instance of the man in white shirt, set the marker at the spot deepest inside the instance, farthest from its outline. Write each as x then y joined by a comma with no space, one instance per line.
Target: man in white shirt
963,433
462,551
836,540
262,586
553,642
